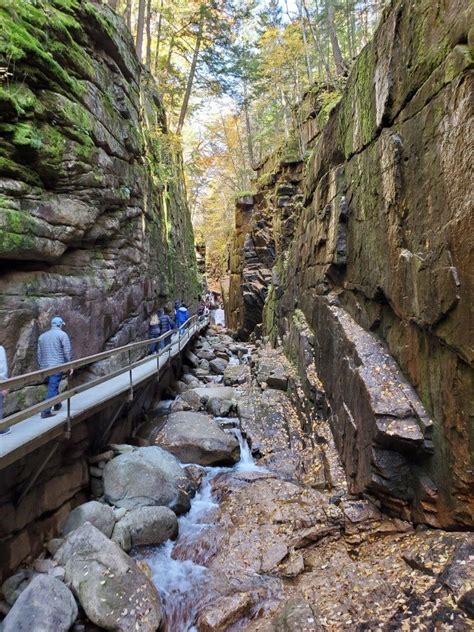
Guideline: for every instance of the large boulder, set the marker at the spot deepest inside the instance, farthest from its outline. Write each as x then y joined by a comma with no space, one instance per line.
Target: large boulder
100,515
146,477
218,366
16,584
145,526
197,438
114,592
45,605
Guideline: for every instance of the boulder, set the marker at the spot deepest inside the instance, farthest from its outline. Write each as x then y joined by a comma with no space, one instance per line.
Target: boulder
114,593
191,358
237,374
144,526
192,399
101,516
224,612
46,605
218,366
219,392
196,438
148,476
16,584
218,407
190,380
206,354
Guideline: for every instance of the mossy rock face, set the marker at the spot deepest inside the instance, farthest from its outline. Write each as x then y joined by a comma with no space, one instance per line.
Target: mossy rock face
381,235
94,223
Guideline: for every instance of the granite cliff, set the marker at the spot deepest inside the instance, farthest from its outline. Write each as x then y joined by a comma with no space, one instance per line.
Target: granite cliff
362,250
93,214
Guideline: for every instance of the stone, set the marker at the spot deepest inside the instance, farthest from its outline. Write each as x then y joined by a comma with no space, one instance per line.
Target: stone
206,354
218,366
192,399
218,407
224,612
191,358
54,544
148,476
273,556
145,526
114,593
190,380
103,456
47,602
95,472
44,565
100,515
196,438
236,375
217,392
97,487
16,584
297,614
195,474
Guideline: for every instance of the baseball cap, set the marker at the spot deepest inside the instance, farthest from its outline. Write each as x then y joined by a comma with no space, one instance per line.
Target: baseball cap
57,320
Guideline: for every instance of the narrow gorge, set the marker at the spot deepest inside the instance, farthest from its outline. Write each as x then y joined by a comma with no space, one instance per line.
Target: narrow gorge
306,465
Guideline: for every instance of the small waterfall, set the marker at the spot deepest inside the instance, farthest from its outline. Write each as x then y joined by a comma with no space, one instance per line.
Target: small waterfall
178,568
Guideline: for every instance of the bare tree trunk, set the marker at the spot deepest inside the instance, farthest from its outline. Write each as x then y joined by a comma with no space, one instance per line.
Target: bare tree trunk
148,34
317,41
192,72
140,28
341,65
158,38
309,70
248,130
128,14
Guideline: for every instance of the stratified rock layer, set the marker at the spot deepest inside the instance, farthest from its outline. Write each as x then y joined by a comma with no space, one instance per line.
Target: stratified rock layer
373,261
93,218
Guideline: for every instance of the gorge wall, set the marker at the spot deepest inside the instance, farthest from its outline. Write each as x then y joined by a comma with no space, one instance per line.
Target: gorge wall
93,215
363,253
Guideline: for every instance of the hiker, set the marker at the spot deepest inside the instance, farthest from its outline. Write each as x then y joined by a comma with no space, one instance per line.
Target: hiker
166,324
177,305
54,347
154,330
182,316
3,377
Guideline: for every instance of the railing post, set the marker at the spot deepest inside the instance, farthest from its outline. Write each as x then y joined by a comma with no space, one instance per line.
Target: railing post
130,396
68,419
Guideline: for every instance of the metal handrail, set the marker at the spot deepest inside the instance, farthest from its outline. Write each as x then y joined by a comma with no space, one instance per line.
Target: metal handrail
63,368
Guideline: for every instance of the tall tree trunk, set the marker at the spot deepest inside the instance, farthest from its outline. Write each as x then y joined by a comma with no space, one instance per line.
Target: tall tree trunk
307,58
350,43
341,66
317,41
192,72
248,130
158,38
140,28
128,14
148,34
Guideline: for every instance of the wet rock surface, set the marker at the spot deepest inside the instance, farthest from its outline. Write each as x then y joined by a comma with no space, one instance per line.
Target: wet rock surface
197,438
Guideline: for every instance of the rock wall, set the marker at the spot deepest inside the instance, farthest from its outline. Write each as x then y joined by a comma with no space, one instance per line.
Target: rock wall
378,265
93,215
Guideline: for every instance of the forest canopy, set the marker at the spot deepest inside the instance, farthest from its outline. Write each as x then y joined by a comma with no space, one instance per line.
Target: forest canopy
231,73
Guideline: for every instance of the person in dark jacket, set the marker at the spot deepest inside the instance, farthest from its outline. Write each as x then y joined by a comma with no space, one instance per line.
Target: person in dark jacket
54,347
166,324
154,330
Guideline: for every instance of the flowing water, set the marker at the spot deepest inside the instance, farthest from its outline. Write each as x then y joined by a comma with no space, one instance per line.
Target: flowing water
178,568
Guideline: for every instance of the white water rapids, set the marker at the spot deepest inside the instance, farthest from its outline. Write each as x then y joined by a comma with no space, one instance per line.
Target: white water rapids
185,586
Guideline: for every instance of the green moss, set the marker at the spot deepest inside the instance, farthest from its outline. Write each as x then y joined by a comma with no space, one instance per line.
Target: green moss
17,230
10,169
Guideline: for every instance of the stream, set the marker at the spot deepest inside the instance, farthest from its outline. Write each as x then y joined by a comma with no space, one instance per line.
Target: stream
178,568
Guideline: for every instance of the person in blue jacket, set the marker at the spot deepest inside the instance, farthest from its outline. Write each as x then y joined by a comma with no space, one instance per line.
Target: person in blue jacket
182,316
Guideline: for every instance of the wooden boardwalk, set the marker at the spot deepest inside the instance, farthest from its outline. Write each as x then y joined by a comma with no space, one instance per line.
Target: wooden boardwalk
32,432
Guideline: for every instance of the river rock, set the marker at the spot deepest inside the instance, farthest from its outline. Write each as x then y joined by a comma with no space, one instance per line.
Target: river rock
206,354
218,407
218,366
100,515
16,584
46,605
196,438
237,374
193,399
114,592
224,612
146,525
148,476
190,380
219,392
191,358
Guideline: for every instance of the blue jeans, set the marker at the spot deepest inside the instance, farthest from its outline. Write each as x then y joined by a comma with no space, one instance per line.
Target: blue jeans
53,387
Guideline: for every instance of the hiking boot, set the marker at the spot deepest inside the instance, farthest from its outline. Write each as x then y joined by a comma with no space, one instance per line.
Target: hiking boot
46,414
57,406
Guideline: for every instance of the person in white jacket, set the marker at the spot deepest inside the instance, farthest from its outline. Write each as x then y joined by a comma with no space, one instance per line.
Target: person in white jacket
3,377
